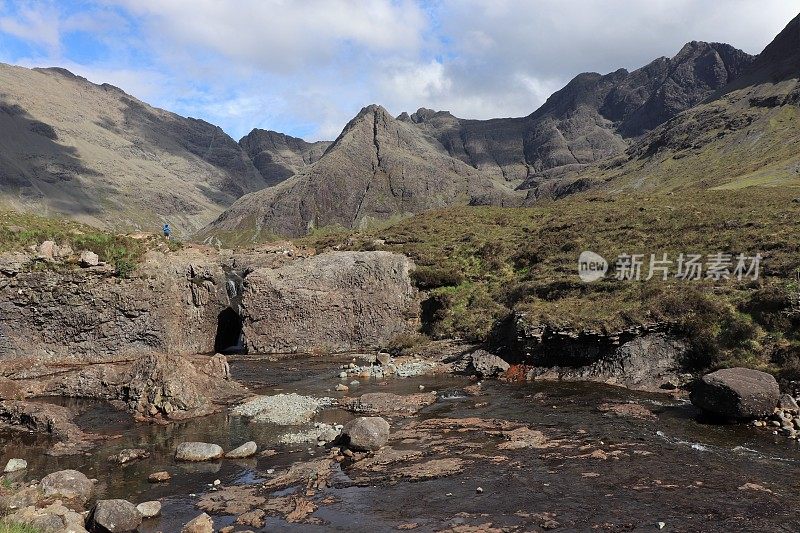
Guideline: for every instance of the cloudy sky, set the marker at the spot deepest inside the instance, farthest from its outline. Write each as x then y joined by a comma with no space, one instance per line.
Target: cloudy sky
305,67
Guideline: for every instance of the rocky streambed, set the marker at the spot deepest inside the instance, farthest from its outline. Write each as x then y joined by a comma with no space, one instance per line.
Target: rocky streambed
459,456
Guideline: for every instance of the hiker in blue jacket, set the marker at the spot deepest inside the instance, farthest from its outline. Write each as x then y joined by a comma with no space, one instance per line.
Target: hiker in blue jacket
167,231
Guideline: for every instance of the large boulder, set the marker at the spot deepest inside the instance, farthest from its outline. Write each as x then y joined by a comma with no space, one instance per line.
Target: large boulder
366,434
736,393
175,387
68,485
197,451
336,301
114,516
487,365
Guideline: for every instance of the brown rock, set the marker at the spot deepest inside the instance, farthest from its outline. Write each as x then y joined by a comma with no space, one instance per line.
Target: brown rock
736,393
159,477
366,298
200,524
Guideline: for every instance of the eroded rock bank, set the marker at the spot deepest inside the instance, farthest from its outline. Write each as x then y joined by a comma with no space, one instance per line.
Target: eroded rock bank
648,358
199,300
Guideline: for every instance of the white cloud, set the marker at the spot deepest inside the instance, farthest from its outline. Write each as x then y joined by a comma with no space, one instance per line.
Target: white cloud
283,35
307,66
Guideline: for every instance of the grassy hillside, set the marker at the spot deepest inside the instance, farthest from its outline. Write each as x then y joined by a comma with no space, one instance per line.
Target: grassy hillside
19,231
479,264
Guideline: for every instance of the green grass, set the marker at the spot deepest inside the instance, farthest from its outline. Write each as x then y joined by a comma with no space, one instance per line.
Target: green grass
479,264
19,231
9,527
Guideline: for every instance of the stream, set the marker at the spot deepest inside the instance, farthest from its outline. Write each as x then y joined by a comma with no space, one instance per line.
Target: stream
668,468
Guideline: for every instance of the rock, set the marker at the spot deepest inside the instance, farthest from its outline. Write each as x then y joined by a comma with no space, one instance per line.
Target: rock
342,375
129,455
10,390
282,409
67,484
53,518
366,298
173,387
159,477
149,509
114,516
245,450
383,358
487,365
15,465
47,251
197,451
736,393
479,490
49,419
386,403
342,388
89,259
786,402
366,433
200,524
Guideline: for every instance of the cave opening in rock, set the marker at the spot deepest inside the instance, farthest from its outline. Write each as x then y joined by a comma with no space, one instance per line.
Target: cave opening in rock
229,338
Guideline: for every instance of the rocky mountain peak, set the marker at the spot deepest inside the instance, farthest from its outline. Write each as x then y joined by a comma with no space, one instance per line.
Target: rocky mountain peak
781,58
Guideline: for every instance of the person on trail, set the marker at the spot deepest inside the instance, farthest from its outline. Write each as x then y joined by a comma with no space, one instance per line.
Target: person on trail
167,231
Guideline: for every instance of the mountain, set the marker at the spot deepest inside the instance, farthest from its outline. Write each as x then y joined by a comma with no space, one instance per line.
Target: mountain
745,134
278,156
96,154
378,168
590,119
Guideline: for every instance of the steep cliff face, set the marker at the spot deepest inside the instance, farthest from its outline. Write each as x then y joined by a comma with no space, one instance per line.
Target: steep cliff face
589,119
337,301
171,306
378,168
278,156
192,302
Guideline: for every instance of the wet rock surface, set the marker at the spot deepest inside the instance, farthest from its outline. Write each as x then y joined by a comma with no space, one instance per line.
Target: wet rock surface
197,451
114,516
367,433
499,456
736,393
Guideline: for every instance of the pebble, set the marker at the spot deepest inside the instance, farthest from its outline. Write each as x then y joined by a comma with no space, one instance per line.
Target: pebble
343,375
661,525
217,483
270,471
342,388
422,387
479,490
355,383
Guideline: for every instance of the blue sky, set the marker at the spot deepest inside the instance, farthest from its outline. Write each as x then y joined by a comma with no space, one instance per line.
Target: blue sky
305,67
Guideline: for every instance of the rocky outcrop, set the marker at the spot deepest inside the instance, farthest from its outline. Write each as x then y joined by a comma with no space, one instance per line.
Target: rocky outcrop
640,357
739,393
278,156
170,305
49,419
172,387
336,301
